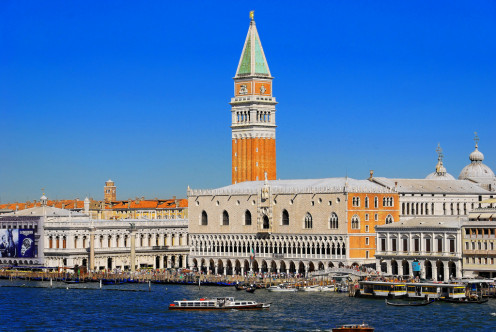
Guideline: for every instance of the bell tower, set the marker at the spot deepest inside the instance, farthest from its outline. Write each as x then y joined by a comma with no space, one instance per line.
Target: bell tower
253,114
110,194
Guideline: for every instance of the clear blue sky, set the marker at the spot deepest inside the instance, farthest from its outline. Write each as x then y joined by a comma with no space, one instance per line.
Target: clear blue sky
138,91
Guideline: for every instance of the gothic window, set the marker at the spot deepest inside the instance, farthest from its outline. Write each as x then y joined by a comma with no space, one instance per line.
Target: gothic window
308,221
333,222
366,202
225,218
355,222
389,219
204,218
384,201
376,202
247,218
356,201
285,218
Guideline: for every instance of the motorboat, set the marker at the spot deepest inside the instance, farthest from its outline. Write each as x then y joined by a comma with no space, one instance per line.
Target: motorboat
282,288
353,328
218,303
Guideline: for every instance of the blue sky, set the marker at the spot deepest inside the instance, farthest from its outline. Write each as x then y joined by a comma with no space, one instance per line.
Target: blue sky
138,91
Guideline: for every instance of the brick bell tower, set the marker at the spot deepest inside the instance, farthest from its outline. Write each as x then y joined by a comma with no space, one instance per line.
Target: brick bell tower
253,114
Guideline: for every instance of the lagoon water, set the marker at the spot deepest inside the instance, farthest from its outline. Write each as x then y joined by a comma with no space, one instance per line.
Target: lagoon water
35,306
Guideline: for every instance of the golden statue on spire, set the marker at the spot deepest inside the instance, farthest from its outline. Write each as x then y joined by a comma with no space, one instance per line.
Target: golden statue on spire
252,15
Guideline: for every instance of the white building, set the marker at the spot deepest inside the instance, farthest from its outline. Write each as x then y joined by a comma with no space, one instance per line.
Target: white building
66,239
435,243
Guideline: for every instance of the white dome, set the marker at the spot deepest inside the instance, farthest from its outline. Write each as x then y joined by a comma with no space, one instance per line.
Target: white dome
476,155
440,176
476,169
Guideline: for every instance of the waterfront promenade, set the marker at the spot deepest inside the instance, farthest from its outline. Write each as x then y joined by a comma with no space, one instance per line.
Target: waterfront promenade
184,277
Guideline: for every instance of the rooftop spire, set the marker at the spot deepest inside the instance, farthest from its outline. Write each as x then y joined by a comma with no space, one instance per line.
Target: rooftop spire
252,61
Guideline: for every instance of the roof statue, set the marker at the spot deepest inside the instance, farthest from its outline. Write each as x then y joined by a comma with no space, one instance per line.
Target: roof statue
252,15
440,173
476,170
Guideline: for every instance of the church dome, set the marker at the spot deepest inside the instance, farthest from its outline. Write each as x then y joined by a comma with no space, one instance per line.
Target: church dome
440,173
476,169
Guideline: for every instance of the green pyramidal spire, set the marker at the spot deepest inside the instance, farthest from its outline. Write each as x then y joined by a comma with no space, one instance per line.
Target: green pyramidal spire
252,62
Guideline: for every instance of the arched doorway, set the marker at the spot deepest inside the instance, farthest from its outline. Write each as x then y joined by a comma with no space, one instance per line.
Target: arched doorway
265,269
283,267
440,271
428,270
211,268
157,262
394,267
229,268
384,267
311,267
406,268
330,264
246,264
273,267
452,270
220,267
237,267
321,266
301,268
255,266
292,267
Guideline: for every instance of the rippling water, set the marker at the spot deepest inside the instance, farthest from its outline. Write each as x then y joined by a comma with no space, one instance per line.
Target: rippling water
131,307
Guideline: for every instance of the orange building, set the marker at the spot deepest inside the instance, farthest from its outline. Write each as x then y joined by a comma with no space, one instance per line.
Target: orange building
253,114
365,211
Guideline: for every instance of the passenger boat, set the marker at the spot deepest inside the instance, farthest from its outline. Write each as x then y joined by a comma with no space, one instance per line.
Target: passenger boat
282,288
381,289
217,303
353,328
414,290
410,304
435,290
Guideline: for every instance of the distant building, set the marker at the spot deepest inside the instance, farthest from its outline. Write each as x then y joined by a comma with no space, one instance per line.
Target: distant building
479,241
67,238
110,193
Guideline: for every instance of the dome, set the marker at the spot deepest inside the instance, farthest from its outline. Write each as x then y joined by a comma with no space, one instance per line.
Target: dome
440,176
476,155
476,169
440,173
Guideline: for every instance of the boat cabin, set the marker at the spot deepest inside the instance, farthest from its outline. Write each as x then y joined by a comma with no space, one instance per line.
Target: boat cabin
435,291
382,289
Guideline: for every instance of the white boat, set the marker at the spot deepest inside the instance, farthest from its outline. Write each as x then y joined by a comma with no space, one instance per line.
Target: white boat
328,288
218,303
313,288
282,288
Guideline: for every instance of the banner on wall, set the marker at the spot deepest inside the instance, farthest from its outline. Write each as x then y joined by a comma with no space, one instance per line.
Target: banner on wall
17,243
